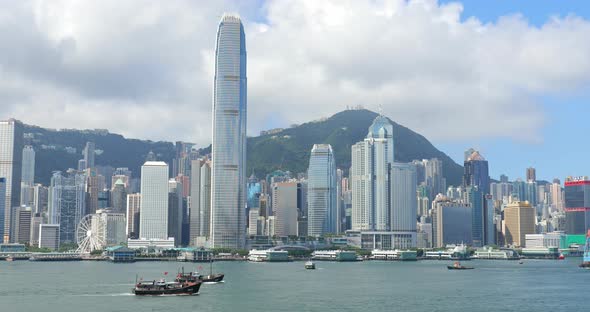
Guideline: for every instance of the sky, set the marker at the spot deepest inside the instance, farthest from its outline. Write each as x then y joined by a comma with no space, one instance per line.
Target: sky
509,78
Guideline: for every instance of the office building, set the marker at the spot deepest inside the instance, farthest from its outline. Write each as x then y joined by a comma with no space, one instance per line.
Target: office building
175,210
36,221
451,222
531,174
89,155
22,224
404,205
133,211
49,236
153,217
11,149
228,177
27,176
476,173
285,208
67,203
195,200
519,220
322,214
577,205
118,197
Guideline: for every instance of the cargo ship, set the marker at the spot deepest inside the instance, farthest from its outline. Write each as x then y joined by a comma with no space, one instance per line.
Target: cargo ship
586,257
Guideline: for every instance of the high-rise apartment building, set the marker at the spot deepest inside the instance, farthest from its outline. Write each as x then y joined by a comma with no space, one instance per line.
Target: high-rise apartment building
519,220
228,178
154,201
322,214
11,149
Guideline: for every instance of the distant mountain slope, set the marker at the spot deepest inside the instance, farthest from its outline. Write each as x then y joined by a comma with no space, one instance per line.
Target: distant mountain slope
54,150
288,149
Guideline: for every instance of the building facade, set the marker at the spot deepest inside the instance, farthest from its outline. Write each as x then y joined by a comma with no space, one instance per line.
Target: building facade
153,217
67,203
322,214
519,220
133,211
228,178
577,205
11,148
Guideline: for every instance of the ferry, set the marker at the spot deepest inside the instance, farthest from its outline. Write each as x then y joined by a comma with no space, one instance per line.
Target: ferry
309,265
586,258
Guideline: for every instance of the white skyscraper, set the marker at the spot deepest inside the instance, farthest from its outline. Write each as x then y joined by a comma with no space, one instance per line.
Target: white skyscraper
153,216
11,148
321,191
228,185
370,175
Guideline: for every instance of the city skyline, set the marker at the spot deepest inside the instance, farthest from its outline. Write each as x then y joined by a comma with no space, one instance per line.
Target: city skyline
537,128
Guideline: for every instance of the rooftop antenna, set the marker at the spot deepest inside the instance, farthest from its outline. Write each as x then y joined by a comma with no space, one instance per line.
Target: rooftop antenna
380,109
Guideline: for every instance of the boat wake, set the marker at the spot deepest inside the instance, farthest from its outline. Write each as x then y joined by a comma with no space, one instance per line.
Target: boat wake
212,283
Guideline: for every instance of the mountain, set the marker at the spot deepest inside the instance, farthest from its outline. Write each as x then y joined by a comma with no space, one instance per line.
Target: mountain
61,149
285,149
289,149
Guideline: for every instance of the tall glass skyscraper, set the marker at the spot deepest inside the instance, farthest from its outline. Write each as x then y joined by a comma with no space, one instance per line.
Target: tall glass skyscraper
476,172
11,149
67,203
228,178
321,191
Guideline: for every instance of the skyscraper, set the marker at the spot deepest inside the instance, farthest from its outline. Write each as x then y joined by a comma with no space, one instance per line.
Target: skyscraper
67,203
519,220
577,205
2,204
27,176
119,197
531,174
284,206
133,207
476,172
11,148
195,200
154,201
89,154
370,174
175,205
321,191
404,205
28,165
228,178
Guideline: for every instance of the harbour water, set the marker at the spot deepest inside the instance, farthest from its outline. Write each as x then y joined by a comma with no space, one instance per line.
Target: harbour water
535,285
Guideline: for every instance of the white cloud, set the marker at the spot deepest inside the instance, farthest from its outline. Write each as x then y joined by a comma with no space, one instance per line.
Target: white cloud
144,69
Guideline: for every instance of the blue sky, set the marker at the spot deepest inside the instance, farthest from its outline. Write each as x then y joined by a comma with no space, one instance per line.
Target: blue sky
565,147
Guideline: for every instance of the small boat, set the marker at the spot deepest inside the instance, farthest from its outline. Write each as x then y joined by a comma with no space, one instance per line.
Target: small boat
520,262
458,266
195,276
561,257
309,265
161,287
9,259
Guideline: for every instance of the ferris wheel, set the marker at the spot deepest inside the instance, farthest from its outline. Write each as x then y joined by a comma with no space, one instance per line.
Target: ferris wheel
90,234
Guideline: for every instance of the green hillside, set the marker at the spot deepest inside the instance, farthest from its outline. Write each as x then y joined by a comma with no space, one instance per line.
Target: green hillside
288,149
